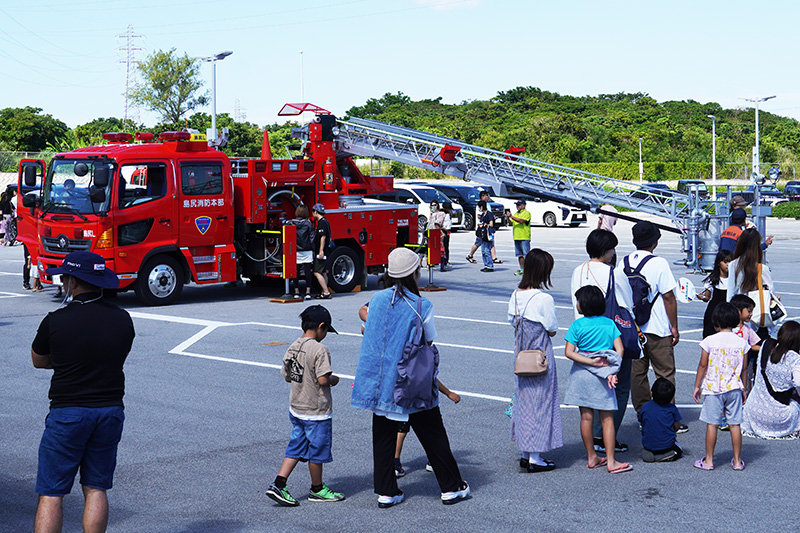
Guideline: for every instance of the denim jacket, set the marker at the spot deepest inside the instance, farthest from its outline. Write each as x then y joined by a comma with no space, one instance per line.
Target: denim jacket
390,324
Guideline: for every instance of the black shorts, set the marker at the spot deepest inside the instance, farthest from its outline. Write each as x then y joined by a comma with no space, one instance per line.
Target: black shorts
320,265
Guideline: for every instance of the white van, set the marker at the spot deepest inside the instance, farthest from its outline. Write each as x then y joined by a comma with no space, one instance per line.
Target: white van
422,196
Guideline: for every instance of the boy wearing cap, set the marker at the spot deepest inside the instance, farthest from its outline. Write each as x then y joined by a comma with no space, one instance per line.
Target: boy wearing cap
730,236
307,366
322,239
84,426
661,330
521,230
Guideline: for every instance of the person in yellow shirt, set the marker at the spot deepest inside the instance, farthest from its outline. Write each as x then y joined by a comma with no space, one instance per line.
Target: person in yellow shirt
521,229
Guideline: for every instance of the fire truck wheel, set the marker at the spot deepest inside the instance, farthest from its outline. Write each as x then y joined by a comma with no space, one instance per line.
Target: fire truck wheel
160,281
550,220
345,269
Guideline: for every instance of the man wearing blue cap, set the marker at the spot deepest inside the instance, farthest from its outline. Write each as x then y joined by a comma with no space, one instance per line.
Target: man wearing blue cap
85,343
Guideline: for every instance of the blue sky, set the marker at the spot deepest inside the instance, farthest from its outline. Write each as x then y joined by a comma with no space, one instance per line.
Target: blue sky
62,55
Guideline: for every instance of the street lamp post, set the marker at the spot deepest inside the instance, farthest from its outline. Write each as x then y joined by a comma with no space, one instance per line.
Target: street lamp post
213,60
641,167
713,157
759,212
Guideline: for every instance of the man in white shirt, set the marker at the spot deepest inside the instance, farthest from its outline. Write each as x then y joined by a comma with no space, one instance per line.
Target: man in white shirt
661,329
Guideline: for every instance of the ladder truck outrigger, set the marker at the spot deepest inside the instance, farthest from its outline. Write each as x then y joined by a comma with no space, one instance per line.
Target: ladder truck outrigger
178,210
699,220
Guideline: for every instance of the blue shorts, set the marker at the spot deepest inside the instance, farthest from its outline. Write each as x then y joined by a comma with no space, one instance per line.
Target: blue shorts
479,242
79,437
716,405
521,248
311,440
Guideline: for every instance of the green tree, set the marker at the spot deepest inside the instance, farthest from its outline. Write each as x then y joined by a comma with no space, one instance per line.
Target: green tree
91,133
170,85
25,129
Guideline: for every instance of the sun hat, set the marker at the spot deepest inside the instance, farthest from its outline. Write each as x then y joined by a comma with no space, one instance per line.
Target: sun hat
645,233
88,267
402,262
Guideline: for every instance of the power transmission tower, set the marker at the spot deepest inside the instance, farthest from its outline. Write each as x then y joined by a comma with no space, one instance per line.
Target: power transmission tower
239,112
130,70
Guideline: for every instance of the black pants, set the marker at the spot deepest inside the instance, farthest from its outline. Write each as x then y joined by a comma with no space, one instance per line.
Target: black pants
307,272
430,431
26,271
446,244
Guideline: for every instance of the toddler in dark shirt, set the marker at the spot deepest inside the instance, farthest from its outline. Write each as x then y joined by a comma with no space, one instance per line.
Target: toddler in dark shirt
660,420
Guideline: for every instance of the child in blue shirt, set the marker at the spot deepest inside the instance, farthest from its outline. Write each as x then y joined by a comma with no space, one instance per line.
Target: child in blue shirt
595,347
660,421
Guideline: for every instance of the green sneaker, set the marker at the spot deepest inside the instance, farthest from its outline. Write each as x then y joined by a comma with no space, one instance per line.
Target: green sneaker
281,496
325,495
519,272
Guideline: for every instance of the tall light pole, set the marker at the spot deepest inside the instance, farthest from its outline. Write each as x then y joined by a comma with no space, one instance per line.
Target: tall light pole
760,213
641,167
213,60
713,157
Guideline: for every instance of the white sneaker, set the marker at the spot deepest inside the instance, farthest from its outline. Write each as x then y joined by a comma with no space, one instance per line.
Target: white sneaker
384,502
449,498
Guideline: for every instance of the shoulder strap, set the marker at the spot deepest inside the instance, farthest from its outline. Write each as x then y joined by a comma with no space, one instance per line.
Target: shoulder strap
760,285
641,264
418,333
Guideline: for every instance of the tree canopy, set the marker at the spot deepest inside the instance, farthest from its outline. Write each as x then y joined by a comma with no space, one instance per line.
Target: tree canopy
169,85
26,129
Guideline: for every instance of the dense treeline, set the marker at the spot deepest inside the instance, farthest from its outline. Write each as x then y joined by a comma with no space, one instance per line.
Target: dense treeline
595,133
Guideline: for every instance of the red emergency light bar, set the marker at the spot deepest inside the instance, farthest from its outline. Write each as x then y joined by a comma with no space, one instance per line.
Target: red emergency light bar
290,110
118,137
175,136
144,136
449,151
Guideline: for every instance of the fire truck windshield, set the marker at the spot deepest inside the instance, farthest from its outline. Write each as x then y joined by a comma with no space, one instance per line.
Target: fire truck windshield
70,187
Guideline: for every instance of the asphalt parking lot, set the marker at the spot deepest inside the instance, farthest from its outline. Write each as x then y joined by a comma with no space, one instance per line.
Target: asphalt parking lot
207,417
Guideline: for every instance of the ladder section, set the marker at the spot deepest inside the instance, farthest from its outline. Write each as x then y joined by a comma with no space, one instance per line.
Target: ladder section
509,174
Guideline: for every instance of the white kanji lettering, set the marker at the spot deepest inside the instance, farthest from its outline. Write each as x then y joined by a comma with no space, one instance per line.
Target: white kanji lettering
186,203
193,203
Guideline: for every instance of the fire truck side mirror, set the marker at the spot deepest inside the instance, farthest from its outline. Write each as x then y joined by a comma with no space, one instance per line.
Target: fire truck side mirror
29,173
29,200
97,195
101,176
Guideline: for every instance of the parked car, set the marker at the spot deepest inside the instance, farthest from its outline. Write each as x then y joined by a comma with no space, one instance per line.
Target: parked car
547,212
657,188
467,196
769,193
792,191
686,186
422,195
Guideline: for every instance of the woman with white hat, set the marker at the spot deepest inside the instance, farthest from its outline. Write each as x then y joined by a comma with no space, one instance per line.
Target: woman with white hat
395,314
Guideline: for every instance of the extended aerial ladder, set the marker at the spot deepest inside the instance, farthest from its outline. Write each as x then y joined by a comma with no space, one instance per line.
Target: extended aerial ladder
698,220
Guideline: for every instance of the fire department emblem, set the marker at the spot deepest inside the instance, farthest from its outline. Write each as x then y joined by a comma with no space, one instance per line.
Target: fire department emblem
202,223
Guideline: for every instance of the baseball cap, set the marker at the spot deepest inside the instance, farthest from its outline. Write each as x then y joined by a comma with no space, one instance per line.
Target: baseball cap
520,202
738,201
318,315
319,208
88,267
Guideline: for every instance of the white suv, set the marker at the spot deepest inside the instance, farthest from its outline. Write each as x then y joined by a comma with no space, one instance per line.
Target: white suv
422,196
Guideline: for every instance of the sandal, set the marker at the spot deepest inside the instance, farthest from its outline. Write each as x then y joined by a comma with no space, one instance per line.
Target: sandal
471,259
737,468
600,463
323,296
700,463
626,467
497,261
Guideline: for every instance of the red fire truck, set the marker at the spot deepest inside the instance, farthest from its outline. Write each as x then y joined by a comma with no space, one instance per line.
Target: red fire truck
176,211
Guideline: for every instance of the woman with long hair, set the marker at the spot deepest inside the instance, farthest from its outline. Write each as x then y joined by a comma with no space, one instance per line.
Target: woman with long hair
536,416
391,325
772,410
743,270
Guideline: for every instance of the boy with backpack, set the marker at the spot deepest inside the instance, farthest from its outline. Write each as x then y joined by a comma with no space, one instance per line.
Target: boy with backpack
655,309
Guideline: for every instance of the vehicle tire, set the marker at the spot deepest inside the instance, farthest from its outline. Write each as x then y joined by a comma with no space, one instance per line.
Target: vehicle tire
469,221
160,281
550,219
422,223
345,270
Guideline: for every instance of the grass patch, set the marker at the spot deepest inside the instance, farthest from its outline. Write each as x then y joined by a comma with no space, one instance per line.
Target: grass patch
787,210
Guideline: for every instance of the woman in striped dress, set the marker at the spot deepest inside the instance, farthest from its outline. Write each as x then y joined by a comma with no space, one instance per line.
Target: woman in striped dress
536,417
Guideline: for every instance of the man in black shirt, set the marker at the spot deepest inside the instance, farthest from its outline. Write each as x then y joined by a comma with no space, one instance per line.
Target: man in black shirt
322,240
86,344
